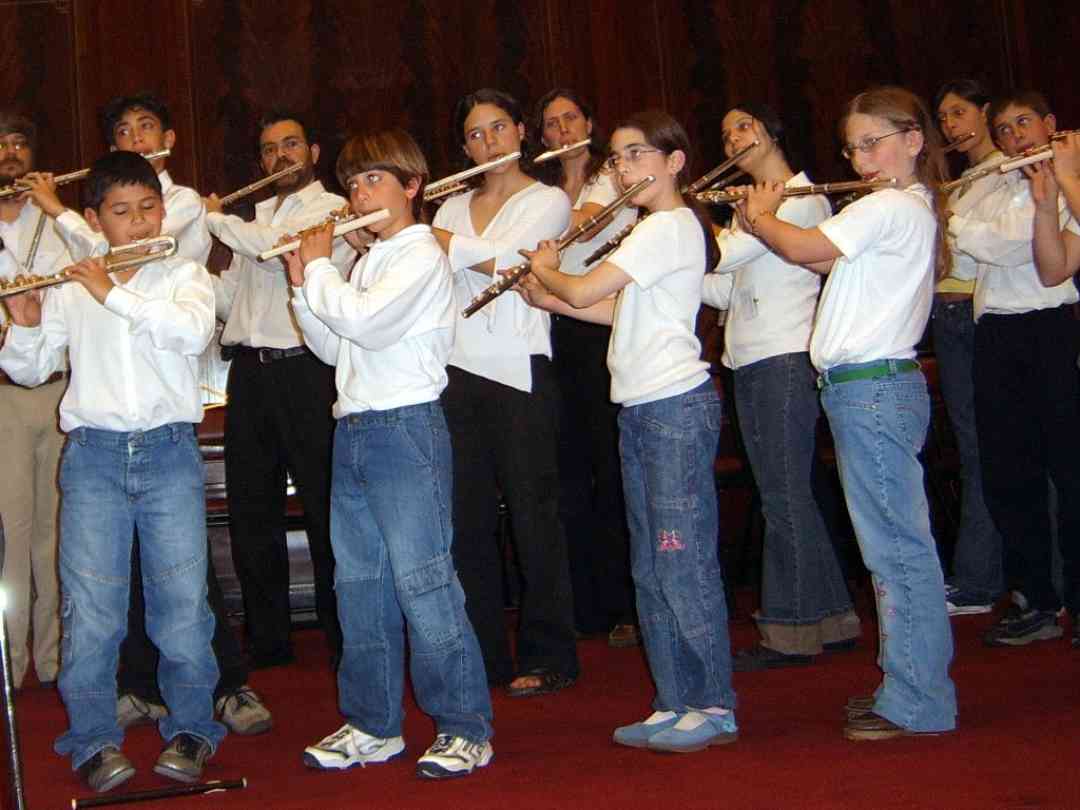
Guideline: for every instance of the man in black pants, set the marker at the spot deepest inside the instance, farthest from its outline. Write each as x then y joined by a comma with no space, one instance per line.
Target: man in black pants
235,702
279,396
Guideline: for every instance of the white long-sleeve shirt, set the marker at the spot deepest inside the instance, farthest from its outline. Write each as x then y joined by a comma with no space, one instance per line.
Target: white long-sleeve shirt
52,254
185,220
961,202
252,297
770,303
997,234
389,329
498,341
134,361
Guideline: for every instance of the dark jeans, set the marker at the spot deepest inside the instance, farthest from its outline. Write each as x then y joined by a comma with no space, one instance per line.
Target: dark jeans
1027,408
139,657
590,482
279,419
504,439
977,559
777,402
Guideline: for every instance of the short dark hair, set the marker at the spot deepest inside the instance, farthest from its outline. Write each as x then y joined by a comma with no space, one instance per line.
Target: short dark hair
276,115
774,128
1021,98
973,90
118,169
114,110
12,122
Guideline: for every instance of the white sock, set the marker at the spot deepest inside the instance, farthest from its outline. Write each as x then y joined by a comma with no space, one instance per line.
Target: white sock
658,717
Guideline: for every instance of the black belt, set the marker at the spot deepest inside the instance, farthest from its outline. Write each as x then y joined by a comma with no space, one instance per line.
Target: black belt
265,355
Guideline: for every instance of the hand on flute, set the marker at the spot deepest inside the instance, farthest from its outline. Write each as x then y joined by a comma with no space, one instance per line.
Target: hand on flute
92,275
762,198
534,292
43,192
213,204
740,207
1066,157
545,259
25,308
360,239
1044,185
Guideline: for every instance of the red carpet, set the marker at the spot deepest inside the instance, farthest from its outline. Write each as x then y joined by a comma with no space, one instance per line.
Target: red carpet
1018,745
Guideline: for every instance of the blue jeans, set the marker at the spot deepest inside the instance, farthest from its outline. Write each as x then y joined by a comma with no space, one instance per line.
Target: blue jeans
112,485
778,407
668,448
391,531
978,566
879,427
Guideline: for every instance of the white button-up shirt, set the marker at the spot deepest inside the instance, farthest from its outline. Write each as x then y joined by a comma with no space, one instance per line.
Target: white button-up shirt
253,297
134,361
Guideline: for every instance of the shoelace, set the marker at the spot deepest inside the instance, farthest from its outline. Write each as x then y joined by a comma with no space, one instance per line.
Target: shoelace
244,696
442,744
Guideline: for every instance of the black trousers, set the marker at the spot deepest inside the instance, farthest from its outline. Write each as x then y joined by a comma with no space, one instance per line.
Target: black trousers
504,439
139,657
1027,413
590,477
279,420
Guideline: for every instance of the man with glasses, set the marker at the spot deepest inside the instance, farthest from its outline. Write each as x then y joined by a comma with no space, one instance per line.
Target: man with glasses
279,396
29,435
1027,391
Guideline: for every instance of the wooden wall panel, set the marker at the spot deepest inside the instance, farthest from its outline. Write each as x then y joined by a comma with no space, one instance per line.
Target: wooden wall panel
347,64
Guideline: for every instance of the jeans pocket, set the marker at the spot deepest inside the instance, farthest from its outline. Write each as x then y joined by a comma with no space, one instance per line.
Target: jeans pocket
912,413
425,594
417,440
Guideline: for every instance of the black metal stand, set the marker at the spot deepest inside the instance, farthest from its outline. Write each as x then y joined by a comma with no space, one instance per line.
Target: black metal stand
14,758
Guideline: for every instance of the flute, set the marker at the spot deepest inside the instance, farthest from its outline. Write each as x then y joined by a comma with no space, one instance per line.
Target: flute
161,793
343,226
70,177
144,250
960,141
722,197
711,177
240,193
562,150
1025,158
455,182
609,245
508,279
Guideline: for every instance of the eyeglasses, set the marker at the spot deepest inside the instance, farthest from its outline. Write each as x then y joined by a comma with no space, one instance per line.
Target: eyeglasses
15,146
866,145
631,155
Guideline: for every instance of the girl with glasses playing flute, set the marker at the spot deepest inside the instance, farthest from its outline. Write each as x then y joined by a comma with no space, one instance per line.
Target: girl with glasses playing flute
649,290
591,499
805,604
880,254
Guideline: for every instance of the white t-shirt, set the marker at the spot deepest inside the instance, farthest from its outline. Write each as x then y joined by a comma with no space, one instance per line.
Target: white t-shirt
134,361
877,299
654,352
499,340
997,234
770,303
600,190
389,329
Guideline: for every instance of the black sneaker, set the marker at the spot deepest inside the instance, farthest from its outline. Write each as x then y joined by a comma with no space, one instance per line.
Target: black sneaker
106,769
1019,627
964,603
184,758
759,657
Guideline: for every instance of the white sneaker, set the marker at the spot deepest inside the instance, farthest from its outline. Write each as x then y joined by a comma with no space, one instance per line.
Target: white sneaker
348,747
453,756
132,710
243,711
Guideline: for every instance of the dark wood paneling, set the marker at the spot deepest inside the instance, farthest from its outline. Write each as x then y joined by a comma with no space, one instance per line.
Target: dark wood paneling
347,64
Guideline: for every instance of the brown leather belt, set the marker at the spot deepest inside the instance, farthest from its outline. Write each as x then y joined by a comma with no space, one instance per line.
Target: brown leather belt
56,377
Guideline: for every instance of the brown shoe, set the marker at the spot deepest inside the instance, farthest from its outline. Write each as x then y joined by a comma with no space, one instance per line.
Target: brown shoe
859,706
872,726
624,635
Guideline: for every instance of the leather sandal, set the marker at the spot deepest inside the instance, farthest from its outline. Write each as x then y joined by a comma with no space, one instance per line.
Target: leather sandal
550,682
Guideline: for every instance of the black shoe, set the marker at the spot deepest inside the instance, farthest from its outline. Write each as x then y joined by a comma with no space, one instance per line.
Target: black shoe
758,657
184,758
106,769
1019,627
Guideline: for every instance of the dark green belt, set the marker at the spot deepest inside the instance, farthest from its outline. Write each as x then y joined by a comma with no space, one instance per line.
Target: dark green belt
870,371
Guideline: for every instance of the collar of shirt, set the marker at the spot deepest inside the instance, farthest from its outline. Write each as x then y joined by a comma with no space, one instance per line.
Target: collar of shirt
264,211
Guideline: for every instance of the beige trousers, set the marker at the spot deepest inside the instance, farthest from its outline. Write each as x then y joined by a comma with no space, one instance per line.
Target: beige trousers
30,445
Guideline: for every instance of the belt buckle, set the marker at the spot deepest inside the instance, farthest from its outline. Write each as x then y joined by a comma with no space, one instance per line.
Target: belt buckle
266,355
